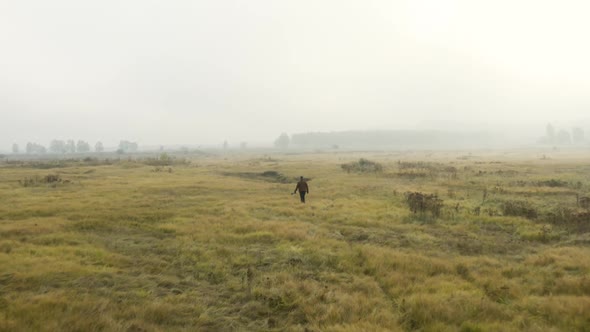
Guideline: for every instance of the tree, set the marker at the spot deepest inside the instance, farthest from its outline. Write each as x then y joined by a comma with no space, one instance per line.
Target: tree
71,146
282,142
550,133
563,137
57,146
15,148
98,147
578,135
82,146
127,146
34,148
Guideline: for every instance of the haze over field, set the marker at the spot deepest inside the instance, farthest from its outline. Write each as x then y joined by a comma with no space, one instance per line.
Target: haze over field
201,72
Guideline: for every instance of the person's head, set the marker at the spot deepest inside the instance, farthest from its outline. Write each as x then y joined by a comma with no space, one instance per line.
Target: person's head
301,178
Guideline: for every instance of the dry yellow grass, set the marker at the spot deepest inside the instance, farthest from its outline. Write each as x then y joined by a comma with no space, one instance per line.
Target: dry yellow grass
211,247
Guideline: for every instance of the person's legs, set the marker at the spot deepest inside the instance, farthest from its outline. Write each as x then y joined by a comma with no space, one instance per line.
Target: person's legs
302,194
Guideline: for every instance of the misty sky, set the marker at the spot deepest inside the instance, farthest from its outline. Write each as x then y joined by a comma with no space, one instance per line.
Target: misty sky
199,72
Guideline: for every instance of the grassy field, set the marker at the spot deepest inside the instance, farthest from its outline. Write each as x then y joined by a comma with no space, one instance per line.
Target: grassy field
217,243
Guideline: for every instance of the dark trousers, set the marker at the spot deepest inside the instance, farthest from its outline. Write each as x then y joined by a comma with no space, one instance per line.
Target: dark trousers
302,195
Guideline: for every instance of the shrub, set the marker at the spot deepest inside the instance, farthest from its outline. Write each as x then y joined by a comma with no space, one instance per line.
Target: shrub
362,166
560,215
36,181
570,219
519,209
159,169
270,176
552,183
275,176
412,174
422,203
51,178
583,202
165,160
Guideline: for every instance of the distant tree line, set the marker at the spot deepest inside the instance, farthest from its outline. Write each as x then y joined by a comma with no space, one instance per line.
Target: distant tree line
562,136
70,146
388,138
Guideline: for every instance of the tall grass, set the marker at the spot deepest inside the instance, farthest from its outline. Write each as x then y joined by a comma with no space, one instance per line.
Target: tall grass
224,246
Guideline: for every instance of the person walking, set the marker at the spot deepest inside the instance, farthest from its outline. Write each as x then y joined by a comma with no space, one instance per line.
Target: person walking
303,189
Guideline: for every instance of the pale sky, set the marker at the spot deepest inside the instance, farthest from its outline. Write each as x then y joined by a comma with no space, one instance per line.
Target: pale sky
200,72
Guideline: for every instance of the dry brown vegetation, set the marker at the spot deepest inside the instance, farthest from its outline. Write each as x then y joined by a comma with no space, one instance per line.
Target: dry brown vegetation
218,244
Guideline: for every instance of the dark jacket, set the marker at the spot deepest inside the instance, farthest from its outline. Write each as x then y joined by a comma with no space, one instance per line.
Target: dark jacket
302,186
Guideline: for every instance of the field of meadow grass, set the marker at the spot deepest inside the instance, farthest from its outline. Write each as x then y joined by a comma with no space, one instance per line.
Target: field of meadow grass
218,243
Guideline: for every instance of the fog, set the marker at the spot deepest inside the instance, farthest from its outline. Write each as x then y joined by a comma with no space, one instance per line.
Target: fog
202,72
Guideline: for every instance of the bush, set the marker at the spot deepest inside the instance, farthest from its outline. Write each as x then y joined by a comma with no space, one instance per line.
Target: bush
423,203
165,160
570,219
560,215
362,166
519,209
270,176
52,178
159,169
552,183
36,181
418,165
412,174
